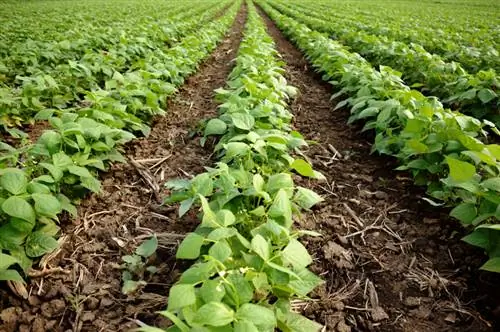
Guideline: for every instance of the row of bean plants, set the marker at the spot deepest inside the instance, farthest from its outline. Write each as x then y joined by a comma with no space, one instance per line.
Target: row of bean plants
444,29
39,182
249,262
443,149
89,70
472,94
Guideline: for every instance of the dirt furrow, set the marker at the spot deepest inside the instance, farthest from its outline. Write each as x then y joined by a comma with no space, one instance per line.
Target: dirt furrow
88,297
390,262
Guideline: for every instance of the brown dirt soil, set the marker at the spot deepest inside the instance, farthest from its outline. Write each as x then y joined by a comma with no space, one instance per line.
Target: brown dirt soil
390,261
87,296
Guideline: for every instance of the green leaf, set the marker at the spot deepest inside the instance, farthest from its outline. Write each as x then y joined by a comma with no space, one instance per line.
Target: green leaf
6,261
486,95
261,247
307,282
225,217
190,247
306,198
302,167
148,247
245,326
17,207
39,243
460,171
492,265
215,127
209,217
202,184
14,181
235,149
243,121
181,295
214,314
298,323
263,318
493,184
80,171
281,209
221,233
130,286
11,275
279,181
465,212
296,255
185,206
212,291
220,251
47,205
91,184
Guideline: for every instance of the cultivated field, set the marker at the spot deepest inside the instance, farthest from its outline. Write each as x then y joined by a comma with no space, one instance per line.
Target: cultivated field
249,165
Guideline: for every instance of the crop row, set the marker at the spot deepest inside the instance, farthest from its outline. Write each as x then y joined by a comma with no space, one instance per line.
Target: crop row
443,149
122,72
449,32
249,263
472,94
39,182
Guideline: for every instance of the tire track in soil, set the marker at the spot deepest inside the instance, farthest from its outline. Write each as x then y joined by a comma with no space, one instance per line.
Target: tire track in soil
114,222
402,267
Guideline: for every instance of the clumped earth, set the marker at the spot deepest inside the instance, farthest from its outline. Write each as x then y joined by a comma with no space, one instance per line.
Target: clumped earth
390,262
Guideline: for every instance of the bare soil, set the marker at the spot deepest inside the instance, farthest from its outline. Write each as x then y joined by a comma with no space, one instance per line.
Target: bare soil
390,261
84,292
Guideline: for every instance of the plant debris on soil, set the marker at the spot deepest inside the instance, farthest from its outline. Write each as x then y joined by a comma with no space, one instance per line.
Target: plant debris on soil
84,293
390,261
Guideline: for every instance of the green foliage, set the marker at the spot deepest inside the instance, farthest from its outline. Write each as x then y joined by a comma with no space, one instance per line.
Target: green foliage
246,250
137,264
444,150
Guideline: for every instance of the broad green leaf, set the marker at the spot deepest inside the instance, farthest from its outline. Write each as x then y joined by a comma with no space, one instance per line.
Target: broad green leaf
261,247
214,314
486,95
6,261
307,282
14,181
279,181
306,198
492,265
190,247
17,207
198,272
202,184
11,275
245,326
80,171
296,255
181,295
221,233
220,251
91,183
243,121
492,184
47,205
212,291
460,171
148,247
209,217
215,127
302,167
39,243
130,286
185,206
235,149
298,323
225,217
260,316
465,212
281,209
